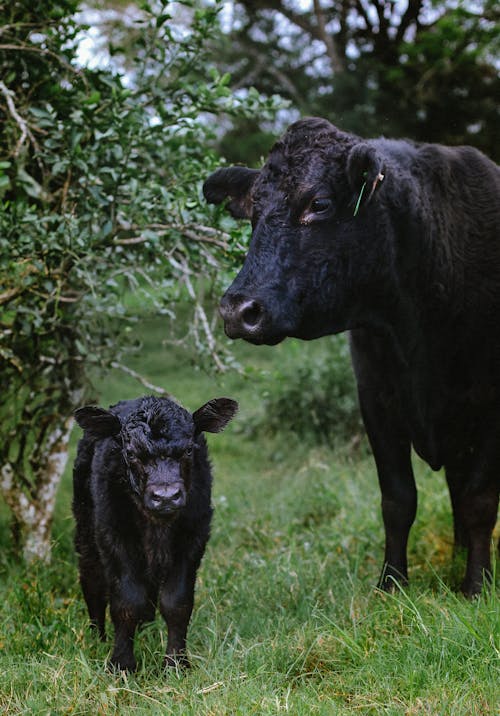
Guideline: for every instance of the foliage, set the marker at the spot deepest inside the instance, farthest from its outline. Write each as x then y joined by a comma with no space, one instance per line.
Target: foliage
315,401
99,191
426,69
286,618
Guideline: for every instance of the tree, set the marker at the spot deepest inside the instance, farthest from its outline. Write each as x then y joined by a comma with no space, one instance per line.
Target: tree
99,187
426,69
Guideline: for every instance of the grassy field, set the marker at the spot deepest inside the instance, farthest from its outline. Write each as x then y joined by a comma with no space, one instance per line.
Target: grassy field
287,619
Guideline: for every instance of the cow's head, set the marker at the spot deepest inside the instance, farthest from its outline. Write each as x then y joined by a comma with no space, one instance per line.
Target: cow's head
317,254
158,441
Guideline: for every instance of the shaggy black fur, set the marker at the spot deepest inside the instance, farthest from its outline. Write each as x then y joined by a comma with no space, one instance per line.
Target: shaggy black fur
399,243
142,485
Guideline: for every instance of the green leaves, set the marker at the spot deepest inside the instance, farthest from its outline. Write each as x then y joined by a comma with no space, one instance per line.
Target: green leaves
100,211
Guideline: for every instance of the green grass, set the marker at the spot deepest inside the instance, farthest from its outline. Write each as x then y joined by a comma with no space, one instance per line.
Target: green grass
286,617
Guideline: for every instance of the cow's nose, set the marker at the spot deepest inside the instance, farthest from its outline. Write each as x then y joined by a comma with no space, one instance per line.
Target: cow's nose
251,314
165,498
242,316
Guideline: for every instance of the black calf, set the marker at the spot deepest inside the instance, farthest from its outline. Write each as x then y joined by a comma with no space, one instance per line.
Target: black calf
142,486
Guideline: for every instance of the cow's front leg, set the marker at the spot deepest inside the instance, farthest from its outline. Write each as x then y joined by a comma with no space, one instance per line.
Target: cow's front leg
389,437
392,452
399,505
176,605
129,606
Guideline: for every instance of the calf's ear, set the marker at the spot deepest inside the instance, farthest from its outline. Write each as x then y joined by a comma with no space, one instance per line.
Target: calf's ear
215,415
365,173
234,183
98,421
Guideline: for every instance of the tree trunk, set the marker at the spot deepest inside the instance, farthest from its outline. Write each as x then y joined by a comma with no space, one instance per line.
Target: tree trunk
33,508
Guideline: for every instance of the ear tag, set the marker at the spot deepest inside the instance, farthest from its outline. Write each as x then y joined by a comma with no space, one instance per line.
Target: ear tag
378,179
356,208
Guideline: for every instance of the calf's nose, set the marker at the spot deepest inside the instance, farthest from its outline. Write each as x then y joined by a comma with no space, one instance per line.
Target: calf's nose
242,316
165,498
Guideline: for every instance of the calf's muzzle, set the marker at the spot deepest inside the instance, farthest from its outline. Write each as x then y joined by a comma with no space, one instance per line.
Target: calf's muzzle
164,499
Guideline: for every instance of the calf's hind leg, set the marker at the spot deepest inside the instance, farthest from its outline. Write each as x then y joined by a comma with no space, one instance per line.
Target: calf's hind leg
93,584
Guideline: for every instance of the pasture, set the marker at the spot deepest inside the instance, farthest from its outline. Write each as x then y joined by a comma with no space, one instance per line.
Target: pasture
286,616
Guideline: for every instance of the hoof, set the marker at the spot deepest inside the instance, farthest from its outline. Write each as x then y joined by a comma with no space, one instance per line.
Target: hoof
471,588
390,580
116,665
99,628
176,661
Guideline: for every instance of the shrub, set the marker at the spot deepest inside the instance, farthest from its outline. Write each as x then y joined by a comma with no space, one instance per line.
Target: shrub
99,195
316,400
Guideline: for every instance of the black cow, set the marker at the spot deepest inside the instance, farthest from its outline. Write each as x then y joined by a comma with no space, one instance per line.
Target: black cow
399,243
142,485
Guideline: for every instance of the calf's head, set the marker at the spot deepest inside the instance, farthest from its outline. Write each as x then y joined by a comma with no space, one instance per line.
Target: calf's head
316,245
157,440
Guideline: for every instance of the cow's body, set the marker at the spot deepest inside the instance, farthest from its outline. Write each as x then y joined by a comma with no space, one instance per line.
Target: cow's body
399,243
142,486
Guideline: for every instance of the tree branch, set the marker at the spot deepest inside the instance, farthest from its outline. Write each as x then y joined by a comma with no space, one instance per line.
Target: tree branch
261,65
189,231
201,315
408,18
140,378
21,123
48,53
336,62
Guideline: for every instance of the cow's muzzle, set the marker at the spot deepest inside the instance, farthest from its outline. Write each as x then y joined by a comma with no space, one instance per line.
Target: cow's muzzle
244,318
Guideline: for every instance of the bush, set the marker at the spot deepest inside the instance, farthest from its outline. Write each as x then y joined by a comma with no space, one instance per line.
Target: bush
100,174
316,401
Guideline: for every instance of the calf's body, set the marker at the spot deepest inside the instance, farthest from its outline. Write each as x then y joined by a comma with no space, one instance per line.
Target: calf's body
142,504
398,243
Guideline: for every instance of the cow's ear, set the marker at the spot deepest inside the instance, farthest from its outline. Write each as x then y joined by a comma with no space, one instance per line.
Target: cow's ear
365,173
235,184
215,415
97,421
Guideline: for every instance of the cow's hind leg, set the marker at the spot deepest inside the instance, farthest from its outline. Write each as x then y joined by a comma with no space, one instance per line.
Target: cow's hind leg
480,512
456,476
479,508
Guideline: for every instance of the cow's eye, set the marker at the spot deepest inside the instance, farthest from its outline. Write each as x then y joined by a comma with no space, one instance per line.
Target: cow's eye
188,452
320,205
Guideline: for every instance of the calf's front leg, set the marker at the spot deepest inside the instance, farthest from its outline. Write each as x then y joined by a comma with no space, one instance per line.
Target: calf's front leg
129,606
176,606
